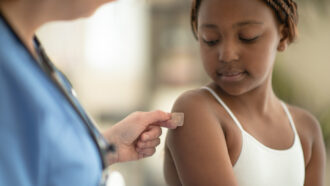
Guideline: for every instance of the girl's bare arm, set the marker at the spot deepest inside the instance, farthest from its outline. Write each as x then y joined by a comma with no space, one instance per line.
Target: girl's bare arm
315,169
199,148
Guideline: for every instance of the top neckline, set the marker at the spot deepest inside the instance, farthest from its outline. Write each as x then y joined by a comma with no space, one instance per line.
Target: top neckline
244,132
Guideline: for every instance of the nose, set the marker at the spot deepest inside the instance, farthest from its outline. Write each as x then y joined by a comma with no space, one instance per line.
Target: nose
228,52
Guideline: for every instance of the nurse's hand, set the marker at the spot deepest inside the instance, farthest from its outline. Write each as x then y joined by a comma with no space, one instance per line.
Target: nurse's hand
137,135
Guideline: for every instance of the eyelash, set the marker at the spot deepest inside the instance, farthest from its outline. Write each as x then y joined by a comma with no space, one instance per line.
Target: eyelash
245,40
248,40
211,43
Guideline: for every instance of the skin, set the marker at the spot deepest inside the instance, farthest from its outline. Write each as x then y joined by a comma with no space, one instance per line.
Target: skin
239,41
136,136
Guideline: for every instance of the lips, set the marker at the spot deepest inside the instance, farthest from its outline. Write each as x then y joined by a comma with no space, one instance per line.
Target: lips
230,73
231,76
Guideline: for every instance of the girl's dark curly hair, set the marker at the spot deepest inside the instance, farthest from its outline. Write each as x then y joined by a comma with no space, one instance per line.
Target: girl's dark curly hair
285,10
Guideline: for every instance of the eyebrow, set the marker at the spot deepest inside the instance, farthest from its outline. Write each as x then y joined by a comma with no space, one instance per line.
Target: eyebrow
208,26
243,23
239,24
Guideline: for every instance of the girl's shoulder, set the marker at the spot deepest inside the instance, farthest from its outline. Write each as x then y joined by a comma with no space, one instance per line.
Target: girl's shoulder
305,121
199,105
192,97
198,101
196,97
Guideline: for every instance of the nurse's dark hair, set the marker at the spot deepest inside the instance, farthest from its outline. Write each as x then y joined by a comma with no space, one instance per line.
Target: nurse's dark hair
286,12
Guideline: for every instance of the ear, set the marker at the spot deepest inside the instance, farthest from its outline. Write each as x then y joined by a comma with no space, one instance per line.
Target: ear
284,37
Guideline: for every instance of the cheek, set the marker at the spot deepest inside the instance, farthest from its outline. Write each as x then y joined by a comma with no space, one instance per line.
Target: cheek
209,59
261,57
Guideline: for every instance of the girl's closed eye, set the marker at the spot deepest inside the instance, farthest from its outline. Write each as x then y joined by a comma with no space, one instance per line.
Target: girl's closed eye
210,37
249,35
250,39
211,42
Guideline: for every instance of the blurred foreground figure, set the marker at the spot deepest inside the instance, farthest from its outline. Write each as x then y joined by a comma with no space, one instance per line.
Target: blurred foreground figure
46,138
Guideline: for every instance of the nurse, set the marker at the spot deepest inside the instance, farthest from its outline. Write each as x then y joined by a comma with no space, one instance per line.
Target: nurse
46,138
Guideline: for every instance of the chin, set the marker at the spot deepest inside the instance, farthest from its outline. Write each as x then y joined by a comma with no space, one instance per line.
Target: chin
234,90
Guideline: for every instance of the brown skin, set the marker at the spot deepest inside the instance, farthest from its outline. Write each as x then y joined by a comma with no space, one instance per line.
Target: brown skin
238,56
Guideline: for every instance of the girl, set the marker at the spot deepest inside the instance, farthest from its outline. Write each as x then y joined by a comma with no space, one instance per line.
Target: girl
236,131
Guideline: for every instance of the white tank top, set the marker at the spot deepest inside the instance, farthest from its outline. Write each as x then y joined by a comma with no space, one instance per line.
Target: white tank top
259,165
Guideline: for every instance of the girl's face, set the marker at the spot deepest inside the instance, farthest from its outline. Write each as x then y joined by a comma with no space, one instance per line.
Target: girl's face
238,42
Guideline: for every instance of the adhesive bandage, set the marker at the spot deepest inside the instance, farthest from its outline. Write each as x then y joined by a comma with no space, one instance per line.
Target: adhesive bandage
178,118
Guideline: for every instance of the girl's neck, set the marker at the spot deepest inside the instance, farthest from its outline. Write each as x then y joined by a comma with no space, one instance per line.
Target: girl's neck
24,19
260,100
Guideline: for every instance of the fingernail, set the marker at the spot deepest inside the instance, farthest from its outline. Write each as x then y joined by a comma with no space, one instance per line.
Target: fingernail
146,137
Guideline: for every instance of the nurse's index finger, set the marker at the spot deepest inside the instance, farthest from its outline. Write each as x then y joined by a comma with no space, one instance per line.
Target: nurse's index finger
156,116
177,120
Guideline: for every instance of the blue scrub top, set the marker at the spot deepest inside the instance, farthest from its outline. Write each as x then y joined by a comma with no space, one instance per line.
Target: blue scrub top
43,142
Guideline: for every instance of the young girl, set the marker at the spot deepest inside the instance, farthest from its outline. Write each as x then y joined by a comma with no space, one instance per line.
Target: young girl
236,131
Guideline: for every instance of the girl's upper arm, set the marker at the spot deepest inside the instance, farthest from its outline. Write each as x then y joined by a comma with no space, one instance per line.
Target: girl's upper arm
199,148
315,169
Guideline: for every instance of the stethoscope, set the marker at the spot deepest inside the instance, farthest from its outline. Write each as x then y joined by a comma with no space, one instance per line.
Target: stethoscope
64,86
66,89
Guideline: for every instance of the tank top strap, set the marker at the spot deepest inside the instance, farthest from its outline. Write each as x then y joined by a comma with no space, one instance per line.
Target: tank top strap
289,116
224,106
